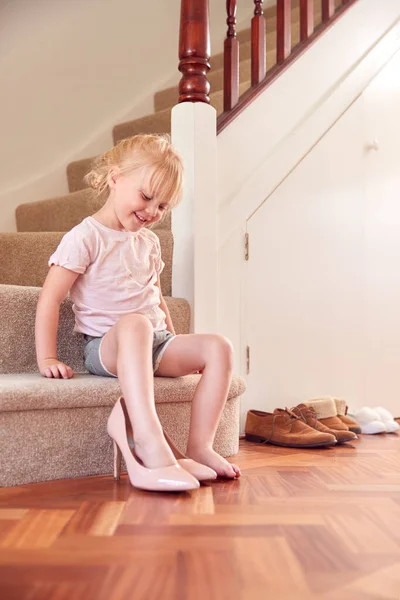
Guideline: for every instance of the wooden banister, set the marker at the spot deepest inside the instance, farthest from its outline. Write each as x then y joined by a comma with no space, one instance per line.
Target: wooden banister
194,51
258,44
283,32
231,58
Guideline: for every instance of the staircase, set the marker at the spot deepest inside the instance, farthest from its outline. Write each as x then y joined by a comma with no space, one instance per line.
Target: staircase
54,429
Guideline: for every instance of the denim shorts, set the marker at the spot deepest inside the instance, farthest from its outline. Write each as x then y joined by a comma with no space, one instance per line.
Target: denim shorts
94,364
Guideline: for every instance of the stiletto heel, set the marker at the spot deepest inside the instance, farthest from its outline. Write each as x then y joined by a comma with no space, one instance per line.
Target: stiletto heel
198,470
117,461
163,479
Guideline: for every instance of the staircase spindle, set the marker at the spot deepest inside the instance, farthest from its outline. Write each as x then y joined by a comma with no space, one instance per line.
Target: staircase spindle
283,33
306,19
231,58
328,9
258,44
194,51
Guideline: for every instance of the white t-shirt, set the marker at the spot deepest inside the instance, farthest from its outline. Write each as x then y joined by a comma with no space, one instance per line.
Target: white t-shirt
118,272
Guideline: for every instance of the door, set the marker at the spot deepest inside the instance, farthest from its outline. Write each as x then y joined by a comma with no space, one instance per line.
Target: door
304,285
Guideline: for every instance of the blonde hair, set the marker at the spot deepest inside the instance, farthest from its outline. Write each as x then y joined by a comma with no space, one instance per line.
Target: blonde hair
152,151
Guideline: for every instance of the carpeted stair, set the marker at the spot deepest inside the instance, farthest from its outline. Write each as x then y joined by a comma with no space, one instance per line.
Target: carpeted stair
54,429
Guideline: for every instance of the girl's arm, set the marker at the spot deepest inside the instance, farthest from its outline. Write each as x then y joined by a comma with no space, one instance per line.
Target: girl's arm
58,282
164,308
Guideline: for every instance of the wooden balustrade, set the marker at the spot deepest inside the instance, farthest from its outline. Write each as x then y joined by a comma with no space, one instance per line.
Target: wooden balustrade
231,58
258,44
283,30
194,51
306,19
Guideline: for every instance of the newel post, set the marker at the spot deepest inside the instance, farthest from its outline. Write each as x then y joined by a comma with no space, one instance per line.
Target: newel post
194,134
194,51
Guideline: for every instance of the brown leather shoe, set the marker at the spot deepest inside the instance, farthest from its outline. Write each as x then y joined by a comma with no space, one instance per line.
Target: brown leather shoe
325,409
341,409
284,428
309,416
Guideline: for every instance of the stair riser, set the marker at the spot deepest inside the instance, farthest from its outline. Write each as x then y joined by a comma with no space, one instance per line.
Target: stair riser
76,171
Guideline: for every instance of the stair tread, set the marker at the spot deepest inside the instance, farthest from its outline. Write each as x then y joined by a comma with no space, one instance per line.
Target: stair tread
31,391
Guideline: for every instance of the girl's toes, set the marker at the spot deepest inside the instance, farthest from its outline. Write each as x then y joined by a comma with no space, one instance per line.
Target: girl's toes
236,470
229,472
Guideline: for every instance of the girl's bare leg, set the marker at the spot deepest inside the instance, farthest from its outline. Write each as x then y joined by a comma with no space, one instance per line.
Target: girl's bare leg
126,351
213,355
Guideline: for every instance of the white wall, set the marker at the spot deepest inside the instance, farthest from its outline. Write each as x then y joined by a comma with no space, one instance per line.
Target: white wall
70,70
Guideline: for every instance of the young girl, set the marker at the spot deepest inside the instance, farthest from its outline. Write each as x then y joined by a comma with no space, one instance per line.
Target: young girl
111,264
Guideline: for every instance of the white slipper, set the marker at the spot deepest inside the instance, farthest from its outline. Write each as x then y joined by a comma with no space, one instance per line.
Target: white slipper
387,419
369,421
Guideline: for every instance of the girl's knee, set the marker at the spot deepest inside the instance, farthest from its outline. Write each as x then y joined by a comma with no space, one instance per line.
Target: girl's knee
223,348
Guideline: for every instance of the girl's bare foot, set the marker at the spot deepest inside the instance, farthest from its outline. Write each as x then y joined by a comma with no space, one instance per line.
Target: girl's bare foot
207,456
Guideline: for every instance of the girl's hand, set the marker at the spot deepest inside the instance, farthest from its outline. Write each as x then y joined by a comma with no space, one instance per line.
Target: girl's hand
51,367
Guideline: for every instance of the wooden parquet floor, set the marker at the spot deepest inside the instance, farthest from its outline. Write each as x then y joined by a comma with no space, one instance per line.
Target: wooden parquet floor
298,525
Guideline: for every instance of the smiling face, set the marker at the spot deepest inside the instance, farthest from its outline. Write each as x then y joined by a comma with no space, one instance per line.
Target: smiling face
136,200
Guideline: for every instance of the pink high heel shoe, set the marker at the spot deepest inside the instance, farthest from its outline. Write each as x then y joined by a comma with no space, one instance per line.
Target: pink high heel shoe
163,479
201,472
